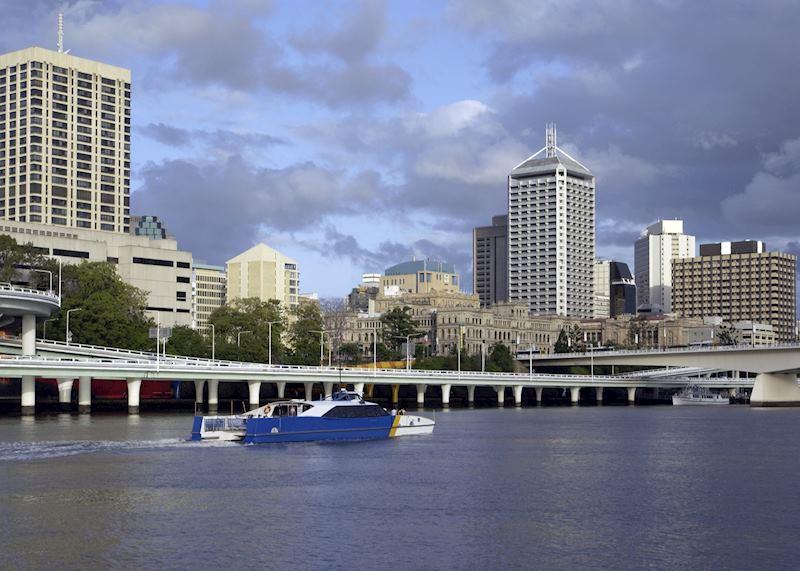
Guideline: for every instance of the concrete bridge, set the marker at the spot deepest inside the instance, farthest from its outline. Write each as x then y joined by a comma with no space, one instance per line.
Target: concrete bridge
775,366
202,371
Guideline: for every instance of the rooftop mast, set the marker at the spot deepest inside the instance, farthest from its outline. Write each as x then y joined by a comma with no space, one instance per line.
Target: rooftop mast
61,33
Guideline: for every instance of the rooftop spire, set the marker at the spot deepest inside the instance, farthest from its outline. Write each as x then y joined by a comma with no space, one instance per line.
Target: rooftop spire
60,33
550,140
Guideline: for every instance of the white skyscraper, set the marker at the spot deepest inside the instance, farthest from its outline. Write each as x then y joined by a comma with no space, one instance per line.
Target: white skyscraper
551,232
659,244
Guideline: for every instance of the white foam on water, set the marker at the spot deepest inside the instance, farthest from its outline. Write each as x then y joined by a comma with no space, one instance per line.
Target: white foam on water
41,450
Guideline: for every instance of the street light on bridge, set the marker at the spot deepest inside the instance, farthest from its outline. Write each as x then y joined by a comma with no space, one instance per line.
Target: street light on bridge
68,334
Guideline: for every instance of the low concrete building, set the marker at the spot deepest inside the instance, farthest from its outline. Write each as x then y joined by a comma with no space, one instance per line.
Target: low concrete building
208,292
155,266
420,276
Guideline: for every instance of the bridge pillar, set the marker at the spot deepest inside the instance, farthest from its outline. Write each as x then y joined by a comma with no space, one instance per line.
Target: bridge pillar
281,385
775,389
84,395
471,395
501,395
395,394
446,395
574,395
631,395
421,394
327,388
213,395
198,391
28,395
254,389
134,387
370,390
517,395
358,387
28,334
539,391
64,393
598,394
309,390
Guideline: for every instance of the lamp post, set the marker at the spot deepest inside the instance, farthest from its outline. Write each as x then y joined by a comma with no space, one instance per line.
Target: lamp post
408,349
322,333
270,323
49,273
374,352
459,351
483,355
239,342
213,340
68,334
591,359
44,328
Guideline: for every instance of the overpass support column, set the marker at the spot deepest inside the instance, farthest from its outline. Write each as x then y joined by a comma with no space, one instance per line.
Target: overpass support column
358,387
631,395
84,395
327,388
29,334
446,395
134,387
64,393
471,395
281,385
370,390
421,394
574,395
539,391
254,389
501,395
309,390
213,395
198,391
775,389
517,395
28,395
598,393
395,394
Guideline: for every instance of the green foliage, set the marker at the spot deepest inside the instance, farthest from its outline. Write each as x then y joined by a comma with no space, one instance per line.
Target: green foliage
350,353
500,359
242,329
562,343
112,312
306,322
727,335
397,324
13,255
188,342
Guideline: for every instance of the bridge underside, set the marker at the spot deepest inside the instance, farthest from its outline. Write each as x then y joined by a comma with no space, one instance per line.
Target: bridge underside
775,389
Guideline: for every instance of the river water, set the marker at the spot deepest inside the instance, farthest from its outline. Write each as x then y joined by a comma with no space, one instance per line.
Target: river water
532,488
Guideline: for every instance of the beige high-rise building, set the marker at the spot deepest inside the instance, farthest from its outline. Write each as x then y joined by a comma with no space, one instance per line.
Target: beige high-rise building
419,276
264,273
208,292
64,141
738,281
659,245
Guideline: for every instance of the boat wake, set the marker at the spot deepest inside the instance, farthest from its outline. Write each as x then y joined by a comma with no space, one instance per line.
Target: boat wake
42,450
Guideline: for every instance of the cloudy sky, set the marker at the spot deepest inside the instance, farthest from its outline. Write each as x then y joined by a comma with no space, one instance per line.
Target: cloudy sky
353,135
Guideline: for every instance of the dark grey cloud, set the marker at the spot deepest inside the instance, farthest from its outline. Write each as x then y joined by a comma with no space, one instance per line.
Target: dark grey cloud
220,207
230,141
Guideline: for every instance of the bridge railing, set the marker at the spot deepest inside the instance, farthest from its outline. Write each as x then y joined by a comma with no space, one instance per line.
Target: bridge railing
658,350
7,287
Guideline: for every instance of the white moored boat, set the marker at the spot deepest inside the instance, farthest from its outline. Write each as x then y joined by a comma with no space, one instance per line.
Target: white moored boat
694,395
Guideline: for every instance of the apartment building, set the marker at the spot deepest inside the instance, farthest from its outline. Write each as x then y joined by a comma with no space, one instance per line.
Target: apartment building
490,261
208,292
263,273
654,252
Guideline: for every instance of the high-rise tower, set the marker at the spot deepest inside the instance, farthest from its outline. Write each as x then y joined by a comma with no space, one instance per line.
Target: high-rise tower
551,232
659,244
64,140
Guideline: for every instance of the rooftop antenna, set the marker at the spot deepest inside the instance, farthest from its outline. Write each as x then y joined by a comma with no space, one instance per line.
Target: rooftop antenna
60,33
550,140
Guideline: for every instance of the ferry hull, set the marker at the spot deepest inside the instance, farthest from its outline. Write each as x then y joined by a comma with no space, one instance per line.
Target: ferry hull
294,429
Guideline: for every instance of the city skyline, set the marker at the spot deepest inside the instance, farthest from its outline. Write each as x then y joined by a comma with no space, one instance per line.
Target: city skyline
321,139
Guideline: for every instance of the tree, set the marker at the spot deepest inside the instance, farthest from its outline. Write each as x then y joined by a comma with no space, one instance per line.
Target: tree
350,352
397,324
15,258
334,316
303,334
500,359
187,342
562,344
242,330
727,335
112,311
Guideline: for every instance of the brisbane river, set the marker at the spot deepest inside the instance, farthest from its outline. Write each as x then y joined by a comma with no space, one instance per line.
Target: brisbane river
611,487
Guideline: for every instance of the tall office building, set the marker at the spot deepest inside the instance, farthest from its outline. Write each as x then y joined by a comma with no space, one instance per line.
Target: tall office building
614,290
738,281
654,251
263,273
551,232
490,261
64,141
208,292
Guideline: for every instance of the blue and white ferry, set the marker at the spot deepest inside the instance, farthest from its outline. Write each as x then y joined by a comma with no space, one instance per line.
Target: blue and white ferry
343,416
